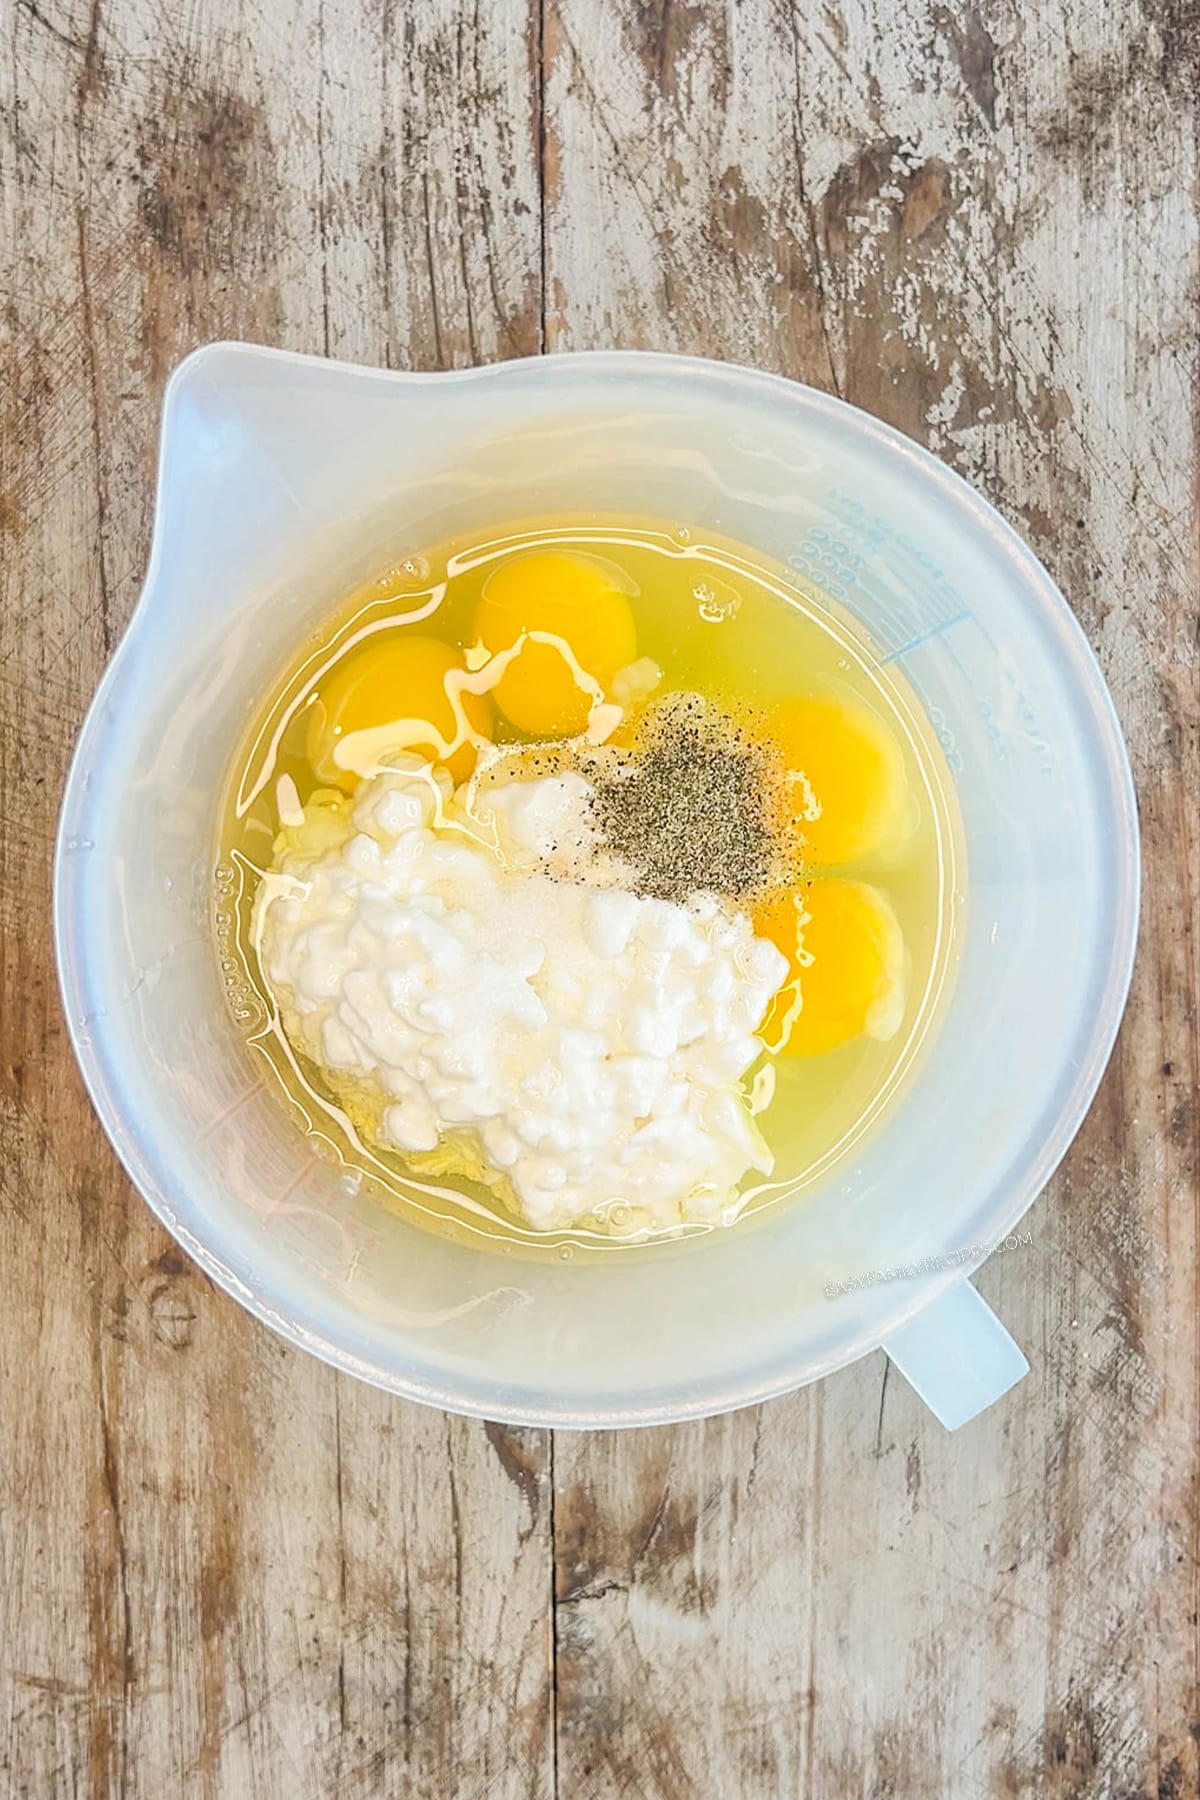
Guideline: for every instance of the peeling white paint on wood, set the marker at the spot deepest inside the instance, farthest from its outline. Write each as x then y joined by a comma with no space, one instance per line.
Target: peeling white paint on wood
227,1571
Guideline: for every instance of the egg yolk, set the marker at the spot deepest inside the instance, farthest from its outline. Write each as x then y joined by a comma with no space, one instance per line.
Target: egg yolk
392,677
848,966
572,599
848,795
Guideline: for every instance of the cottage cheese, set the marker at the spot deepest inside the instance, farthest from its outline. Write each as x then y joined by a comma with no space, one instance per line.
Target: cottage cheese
454,968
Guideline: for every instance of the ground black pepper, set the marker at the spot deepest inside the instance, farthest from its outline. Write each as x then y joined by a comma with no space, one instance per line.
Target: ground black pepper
691,809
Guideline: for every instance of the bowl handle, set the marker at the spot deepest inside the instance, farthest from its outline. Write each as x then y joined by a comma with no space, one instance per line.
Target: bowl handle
957,1355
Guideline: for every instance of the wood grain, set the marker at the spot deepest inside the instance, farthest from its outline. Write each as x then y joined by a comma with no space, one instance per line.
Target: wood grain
227,1571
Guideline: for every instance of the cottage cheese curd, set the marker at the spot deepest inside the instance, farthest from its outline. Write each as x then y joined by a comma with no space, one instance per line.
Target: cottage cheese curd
476,976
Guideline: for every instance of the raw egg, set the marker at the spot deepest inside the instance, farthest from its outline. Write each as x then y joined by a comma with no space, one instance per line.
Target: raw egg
848,792
848,966
574,599
393,676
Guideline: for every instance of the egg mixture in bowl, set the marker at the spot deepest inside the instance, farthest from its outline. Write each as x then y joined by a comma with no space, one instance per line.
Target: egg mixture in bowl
587,884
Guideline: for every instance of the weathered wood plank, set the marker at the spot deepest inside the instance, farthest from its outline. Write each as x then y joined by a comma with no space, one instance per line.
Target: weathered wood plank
978,223
225,1570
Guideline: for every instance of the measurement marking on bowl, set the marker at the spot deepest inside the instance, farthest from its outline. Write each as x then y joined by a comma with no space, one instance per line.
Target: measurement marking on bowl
924,637
234,1106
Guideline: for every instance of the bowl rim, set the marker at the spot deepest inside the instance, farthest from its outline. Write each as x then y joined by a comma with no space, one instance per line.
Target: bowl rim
1021,1184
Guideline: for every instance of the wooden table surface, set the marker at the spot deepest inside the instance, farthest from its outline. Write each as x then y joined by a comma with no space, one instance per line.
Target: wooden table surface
227,1570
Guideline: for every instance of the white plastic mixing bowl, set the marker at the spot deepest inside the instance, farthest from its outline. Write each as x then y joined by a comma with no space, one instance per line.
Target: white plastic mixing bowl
283,480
